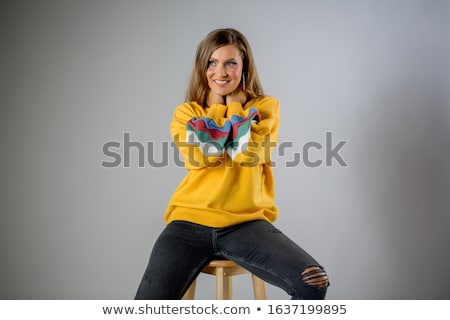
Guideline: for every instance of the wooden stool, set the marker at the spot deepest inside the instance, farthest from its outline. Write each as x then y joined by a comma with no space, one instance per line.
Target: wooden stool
224,270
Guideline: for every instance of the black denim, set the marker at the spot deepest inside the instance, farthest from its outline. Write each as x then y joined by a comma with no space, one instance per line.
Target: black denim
183,248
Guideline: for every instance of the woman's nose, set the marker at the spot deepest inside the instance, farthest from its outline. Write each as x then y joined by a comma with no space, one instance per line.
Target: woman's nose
222,70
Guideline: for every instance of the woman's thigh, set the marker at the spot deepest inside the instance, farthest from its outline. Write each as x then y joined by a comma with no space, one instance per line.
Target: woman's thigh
176,258
268,253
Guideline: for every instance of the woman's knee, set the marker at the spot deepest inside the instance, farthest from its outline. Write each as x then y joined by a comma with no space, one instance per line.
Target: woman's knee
313,284
315,276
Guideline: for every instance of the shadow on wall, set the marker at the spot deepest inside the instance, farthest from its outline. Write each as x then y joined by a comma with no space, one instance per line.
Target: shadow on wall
409,181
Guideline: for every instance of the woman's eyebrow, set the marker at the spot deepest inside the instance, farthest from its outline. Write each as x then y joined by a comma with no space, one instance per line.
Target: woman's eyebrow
231,59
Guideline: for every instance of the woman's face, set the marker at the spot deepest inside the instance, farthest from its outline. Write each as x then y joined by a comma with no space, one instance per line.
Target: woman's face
224,70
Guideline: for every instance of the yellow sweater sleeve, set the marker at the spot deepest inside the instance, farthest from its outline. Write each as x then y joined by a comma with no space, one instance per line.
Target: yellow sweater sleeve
200,135
254,131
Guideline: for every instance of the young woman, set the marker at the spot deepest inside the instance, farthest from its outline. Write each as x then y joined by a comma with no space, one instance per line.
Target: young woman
225,206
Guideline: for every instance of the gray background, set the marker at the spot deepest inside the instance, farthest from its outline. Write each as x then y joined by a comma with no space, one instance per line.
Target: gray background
77,74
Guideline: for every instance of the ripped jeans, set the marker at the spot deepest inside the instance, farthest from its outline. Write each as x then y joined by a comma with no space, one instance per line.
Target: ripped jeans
183,248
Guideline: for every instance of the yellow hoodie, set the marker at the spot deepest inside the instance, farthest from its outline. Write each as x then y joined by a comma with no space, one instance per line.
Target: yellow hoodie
226,150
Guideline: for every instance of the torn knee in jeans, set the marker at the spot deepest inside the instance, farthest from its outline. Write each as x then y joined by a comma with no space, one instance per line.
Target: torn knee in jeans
315,276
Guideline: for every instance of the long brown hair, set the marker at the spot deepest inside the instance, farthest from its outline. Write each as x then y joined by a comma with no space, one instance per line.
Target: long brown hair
198,84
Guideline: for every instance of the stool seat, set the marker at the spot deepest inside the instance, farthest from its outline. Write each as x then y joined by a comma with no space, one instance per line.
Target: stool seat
224,270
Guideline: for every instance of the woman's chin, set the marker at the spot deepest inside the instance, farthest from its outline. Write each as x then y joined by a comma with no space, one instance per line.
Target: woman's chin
223,92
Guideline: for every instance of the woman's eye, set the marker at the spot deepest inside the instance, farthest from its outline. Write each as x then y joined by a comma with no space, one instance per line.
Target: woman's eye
211,63
231,64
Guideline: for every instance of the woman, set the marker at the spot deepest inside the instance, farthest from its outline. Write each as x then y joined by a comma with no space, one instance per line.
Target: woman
225,205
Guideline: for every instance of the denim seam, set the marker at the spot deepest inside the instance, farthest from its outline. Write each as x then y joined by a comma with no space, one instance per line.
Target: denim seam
214,240
193,276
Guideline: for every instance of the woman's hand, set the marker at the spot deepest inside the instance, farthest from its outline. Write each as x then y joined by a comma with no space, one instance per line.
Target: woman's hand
237,95
214,98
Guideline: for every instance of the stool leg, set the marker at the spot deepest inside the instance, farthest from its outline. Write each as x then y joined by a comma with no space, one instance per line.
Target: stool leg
259,288
223,285
190,293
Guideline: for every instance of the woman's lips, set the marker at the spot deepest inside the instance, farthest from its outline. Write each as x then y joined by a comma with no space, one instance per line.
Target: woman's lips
221,82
